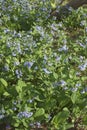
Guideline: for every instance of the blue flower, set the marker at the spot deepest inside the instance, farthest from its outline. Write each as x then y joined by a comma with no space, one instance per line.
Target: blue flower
38,124
60,83
8,44
58,58
86,29
46,71
18,73
82,45
30,101
8,127
28,64
83,23
19,49
6,31
64,48
16,63
6,68
13,53
83,66
25,114
2,116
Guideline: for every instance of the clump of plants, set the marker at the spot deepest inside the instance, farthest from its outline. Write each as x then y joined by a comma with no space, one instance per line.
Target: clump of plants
43,67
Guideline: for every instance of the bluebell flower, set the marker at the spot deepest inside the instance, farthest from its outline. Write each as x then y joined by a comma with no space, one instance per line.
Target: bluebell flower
81,58
49,117
64,41
74,89
30,100
60,83
58,58
86,29
38,124
36,68
8,44
28,64
6,68
78,73
19,35
16,63
78,84
14,54
19,48
31,124
45,57
39,28
25,114
82,45
64,48
46,71
84,90
14,0
83,23
54,27
14,108
83,66
60,24
8,127
6,31
2,116
18,73
1,55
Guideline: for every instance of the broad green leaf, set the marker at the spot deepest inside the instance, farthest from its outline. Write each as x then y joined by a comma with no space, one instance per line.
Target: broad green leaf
61,116
21,83
74,97
55,75
16,124
18,88
53,5
6,94
39,112
3,82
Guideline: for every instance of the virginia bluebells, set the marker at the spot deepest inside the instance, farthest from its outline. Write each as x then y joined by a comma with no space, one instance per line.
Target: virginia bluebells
2,116
83,66
16,63
8,127
18,73
25,114
60,83
63,48
46,71
6,68
28,64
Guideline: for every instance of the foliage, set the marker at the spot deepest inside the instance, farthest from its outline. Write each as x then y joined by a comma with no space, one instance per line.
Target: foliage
43,66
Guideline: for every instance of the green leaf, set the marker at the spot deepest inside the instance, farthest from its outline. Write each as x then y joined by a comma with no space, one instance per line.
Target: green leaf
68,126
61,117
39,112
21,83
16,124
74,97
55,75
3,82
19,88
6,94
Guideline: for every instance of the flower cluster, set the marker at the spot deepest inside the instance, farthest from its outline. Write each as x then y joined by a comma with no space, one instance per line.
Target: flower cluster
25,114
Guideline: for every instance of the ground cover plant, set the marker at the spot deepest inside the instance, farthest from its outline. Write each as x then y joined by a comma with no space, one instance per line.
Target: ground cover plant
43,67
